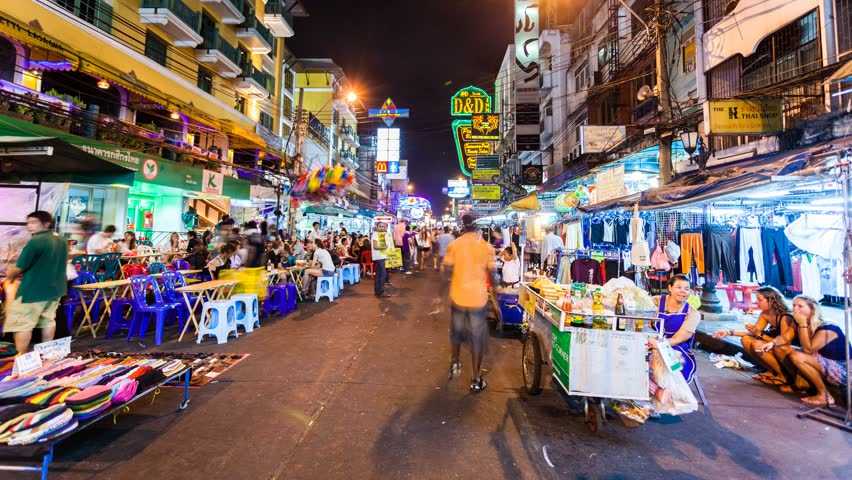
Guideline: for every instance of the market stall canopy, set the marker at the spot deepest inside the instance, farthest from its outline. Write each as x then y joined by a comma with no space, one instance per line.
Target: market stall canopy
726,179
49,159
528,203
328,210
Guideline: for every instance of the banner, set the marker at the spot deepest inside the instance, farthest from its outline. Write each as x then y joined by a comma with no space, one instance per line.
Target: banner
394,259
743,117
609,184
601,138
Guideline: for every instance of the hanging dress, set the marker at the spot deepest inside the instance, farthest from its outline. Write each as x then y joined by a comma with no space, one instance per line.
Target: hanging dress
672,323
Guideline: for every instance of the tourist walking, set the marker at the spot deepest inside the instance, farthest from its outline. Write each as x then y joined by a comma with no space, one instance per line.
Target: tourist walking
380,243
468,267
41,268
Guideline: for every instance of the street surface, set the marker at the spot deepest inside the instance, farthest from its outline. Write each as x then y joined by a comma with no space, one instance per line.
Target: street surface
359,389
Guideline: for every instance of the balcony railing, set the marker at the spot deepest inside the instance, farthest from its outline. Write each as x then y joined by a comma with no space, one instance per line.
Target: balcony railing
256,24
183,12
264,79
250,30
787,66
95,12
276,7
212,41
279,19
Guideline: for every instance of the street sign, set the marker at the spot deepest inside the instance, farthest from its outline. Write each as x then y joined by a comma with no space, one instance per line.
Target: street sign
486,192
485,126
744,117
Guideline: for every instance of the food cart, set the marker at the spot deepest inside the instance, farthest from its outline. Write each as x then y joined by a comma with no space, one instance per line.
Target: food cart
589,357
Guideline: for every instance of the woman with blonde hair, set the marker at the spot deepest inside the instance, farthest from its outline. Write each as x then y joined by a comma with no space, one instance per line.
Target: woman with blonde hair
823,356
775,327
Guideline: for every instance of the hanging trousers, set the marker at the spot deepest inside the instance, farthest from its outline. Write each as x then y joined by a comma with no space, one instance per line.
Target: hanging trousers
776,258
721,245
691,251
751,255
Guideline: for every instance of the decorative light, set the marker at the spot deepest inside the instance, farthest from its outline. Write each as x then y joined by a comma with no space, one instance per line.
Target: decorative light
174,116
103,84
690,140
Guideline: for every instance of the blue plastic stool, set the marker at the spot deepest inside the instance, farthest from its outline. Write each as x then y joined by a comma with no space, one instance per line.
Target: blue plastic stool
221,322
248,314
275,301
356,267
338,279
291,296
347,273
326,287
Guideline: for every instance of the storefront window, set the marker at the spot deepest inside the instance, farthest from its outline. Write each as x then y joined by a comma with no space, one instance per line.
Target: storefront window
81,204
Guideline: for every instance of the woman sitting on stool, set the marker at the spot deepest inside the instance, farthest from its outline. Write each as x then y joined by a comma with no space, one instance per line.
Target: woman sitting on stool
679,321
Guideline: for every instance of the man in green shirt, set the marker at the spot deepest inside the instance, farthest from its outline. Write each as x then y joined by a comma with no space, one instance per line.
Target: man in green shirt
42,267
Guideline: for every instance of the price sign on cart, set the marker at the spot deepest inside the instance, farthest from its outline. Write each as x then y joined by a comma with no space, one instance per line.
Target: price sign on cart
608,364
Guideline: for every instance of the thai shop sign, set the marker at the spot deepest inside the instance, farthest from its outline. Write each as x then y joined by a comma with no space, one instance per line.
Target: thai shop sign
485,175
601,138
560,355
609,184
744,117
486,192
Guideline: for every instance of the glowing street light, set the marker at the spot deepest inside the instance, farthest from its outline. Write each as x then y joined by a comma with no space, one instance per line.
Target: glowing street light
410,187
351,96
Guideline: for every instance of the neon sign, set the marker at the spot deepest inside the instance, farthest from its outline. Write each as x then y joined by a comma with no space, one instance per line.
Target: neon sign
389,112
470,100
466,147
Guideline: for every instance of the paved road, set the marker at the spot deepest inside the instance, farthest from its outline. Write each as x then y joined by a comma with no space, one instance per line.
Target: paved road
358,389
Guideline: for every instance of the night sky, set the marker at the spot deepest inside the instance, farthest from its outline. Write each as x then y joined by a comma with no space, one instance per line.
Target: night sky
418,52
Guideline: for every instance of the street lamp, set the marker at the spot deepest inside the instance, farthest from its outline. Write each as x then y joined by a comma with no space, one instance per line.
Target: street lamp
690,140
410,187
351,96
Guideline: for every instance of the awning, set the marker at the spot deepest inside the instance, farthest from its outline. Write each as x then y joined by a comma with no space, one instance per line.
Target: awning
331,210
147,168
841,73
722,180
526,204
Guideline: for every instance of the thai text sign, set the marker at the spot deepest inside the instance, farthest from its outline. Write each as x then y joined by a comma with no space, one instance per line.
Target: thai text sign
467,148
609,184
740,117
600,138
486,192
485,175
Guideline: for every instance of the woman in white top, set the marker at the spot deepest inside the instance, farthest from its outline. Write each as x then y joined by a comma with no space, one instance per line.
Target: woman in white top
128,243
510,273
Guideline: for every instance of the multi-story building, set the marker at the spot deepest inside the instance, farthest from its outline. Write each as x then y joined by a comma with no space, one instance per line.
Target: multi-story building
367,176
504,104
332,134
191,89
554,52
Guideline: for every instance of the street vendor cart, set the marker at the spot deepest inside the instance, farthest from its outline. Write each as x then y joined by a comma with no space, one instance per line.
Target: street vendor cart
598,358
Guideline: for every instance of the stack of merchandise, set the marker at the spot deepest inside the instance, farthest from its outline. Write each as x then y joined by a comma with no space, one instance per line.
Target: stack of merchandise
552,291
58,397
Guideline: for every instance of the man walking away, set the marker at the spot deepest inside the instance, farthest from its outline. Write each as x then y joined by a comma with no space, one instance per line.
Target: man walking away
380,243
443,242
42,265
469,263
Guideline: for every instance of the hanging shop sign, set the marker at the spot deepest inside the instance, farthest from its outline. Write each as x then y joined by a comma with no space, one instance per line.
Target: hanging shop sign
389,112
458,189
381,167
469,101
609,184
486,206
485,126
212,182
526,44
398,170
486,192
532,174
601,138
744,117
468,149
487,162
485,175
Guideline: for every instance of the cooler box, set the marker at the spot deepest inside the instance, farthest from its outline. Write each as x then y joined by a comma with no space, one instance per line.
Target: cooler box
510,309
251,280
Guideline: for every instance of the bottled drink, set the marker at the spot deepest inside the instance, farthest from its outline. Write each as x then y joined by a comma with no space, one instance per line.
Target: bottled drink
619,311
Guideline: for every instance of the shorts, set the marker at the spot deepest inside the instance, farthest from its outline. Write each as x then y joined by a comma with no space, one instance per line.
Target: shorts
24,317
469,324
834,371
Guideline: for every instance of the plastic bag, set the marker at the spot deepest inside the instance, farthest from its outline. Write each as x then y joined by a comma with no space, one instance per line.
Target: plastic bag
673,395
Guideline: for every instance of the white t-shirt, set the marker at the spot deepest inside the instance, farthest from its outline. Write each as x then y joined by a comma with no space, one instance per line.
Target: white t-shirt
511,272
97,244
313,235
383,238
322,256
551,242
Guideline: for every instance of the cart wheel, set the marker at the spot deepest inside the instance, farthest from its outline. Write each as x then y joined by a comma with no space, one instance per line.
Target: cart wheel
531,363
594,416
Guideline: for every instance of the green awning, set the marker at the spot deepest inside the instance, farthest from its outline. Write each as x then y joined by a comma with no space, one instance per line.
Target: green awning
328,210
147,168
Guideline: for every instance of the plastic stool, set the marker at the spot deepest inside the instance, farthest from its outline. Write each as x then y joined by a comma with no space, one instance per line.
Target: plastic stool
291,296
117,321
326,287
347,273
275,300
338,278
221,321
248,314
357,269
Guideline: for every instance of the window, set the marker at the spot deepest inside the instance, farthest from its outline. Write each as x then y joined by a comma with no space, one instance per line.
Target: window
245,60
788,53
288,108
240,104
288,79
155,48
205,80
96,12
687,51
266,120
581,77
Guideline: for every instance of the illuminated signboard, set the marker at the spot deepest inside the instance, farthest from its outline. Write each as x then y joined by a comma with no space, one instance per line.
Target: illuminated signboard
389,112
381,167
470,100
467,148
485,175
458,188
387,145
486,126
486,192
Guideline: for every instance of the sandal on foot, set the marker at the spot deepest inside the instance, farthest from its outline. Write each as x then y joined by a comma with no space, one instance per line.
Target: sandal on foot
478,386
826,401
455,370
768,379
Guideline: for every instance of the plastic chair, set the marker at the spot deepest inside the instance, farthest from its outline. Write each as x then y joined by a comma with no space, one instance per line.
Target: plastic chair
76,298
248,314
326,287
118,317
112,266
132,269
156,267
357,269
140,285
218,318
181,264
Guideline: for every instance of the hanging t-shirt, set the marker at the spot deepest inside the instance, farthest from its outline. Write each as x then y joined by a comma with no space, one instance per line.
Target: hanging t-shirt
811,284
609,230
586,270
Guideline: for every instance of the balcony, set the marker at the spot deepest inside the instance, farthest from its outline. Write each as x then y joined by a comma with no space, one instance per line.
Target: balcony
219,55
176,20
278,18
254,36
254,83
230,11
95,12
